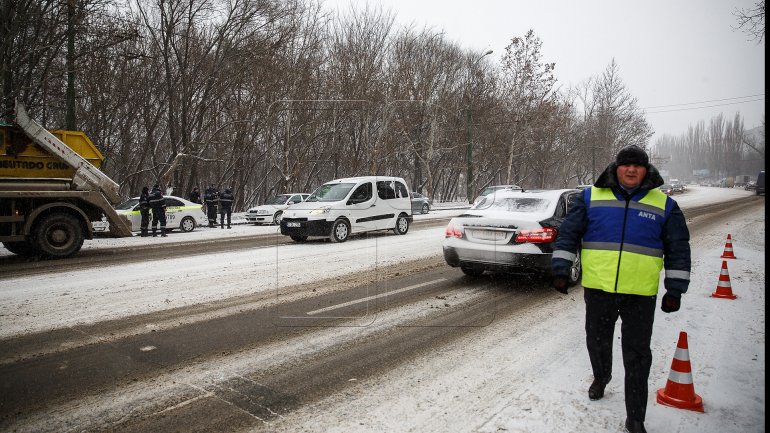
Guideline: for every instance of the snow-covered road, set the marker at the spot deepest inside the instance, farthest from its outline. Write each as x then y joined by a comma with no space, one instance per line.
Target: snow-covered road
520,374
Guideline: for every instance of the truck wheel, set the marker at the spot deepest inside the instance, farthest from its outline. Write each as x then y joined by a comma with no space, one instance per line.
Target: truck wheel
58,235
22,248
402,225
340,231
188,224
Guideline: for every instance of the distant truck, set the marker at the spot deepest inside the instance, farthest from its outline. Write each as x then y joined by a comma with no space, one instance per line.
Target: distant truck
741,180
51,189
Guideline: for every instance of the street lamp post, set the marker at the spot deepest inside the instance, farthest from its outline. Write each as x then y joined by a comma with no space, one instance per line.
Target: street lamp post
470,180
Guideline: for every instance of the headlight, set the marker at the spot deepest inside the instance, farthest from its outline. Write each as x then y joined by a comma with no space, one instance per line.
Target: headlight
321,210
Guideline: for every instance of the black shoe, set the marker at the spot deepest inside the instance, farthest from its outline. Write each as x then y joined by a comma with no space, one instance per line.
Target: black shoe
635,426
596,390
229,227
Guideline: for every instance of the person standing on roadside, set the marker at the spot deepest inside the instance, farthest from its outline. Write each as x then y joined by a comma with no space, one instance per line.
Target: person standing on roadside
225,208
158,205
626,231
195,195
211,199
144,211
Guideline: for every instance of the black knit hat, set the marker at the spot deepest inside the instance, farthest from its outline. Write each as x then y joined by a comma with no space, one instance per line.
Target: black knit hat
632,154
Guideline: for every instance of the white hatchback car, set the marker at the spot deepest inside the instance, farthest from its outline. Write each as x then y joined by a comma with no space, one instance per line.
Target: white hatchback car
180,213
272,211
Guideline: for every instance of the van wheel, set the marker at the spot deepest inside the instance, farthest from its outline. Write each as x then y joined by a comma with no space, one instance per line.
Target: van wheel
58,235
402,225
340,231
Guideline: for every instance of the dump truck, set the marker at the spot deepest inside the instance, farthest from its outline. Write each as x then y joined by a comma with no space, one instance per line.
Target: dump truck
51,190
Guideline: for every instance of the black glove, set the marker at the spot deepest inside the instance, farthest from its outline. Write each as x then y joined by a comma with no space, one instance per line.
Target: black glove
670,304
560,283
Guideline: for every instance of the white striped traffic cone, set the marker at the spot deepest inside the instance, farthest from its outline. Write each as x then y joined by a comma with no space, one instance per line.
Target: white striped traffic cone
680,391
724,289
728,253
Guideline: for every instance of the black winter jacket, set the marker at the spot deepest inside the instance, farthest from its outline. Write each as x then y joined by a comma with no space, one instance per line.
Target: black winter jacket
676,236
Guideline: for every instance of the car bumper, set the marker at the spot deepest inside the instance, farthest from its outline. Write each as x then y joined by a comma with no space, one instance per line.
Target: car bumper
522,258
305,228
259,219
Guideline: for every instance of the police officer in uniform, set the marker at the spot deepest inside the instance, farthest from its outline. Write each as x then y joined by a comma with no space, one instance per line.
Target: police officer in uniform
144,210
626,231
211,198
225,207
158,205
194,196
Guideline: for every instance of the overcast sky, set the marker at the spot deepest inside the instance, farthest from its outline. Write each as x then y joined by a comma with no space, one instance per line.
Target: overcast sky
675,57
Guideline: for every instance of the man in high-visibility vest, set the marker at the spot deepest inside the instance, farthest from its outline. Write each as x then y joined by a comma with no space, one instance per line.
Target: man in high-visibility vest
626,231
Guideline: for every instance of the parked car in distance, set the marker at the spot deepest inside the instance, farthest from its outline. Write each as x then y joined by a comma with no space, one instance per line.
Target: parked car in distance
272,211
492,188
667,189
750,186
181,214
677,187
420,203
514,233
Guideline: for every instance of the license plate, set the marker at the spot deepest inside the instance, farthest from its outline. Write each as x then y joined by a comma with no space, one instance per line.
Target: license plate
292,224
488,235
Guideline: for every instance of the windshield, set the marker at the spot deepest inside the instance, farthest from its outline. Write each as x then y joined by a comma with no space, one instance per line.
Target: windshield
279,199
331,192
518,204
128,204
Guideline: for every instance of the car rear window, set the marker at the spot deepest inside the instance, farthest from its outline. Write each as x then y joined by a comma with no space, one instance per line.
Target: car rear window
520,204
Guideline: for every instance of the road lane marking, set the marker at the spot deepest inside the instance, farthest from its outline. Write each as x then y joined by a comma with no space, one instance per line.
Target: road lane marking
371,298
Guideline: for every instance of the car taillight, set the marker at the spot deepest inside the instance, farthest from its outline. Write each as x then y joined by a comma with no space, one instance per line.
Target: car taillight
452,230
546,234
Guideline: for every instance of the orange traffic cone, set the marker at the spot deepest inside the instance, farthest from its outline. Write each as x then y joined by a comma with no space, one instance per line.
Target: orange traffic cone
724,290
728,254
679,391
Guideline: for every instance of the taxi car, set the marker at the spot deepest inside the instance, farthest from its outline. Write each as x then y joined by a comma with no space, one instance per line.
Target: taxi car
181,214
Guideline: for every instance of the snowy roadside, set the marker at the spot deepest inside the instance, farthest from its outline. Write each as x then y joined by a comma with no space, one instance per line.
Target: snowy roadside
531,373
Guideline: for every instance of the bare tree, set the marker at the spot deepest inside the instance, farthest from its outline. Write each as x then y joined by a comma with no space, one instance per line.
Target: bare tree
752,20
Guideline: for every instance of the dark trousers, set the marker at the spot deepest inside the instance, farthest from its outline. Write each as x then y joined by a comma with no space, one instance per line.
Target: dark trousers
212,214
145,213
636,314
223,213
158,216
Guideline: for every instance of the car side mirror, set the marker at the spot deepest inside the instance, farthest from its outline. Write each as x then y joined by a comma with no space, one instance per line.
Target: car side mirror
290,203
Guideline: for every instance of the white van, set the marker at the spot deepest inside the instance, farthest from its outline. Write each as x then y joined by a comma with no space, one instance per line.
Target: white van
343,207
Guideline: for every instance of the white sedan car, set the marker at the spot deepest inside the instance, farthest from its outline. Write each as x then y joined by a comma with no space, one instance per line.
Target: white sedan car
180,213
509,231
272,211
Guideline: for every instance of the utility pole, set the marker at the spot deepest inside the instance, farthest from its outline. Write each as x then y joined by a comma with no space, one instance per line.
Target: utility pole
70,120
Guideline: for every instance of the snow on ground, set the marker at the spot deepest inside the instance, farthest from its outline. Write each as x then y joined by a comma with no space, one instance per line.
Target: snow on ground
527,373
531,373
41,302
